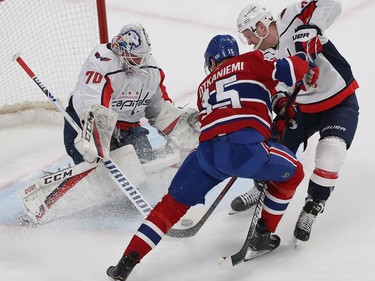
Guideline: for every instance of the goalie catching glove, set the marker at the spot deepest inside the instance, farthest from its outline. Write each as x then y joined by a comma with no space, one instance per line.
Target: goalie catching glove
98,126
178,125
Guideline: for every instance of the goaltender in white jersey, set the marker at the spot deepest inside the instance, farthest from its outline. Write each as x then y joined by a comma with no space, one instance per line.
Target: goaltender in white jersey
120,83
124,77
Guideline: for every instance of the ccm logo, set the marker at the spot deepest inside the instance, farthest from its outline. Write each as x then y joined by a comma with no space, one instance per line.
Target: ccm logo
89,127
58,177
30,189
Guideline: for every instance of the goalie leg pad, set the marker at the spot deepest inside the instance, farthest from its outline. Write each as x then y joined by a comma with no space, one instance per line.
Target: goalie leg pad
48,202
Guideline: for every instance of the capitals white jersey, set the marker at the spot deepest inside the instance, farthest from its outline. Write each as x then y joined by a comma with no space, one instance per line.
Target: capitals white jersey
336,81
132,95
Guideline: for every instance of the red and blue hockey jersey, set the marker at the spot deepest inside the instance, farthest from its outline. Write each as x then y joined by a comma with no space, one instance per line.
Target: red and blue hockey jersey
238,93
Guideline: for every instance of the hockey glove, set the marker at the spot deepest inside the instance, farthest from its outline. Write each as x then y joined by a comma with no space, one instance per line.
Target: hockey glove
306,39
310,78
98,124
178,125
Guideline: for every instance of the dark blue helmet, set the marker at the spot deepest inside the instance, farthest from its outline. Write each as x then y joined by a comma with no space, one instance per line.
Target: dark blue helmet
219,48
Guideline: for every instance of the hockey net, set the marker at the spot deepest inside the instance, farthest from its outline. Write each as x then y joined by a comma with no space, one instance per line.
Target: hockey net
55,37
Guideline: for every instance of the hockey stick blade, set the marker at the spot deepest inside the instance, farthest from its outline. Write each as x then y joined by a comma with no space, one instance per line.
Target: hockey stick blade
237,258
227,262
189,232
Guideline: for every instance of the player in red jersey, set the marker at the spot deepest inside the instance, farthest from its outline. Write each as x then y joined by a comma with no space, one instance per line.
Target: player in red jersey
235,112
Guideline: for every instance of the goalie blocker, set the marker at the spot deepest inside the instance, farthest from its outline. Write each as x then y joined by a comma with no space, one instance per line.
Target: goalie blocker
98,125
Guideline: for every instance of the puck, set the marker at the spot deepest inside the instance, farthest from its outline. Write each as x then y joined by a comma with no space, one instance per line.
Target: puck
186,222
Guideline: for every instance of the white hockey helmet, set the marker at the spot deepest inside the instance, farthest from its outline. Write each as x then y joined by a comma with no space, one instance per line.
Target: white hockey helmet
132,45
250,16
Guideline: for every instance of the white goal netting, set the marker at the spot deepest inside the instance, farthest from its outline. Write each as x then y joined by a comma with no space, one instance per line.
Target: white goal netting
54,37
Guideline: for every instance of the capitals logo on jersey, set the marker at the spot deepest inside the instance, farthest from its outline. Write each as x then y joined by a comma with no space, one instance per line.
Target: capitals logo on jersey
98,56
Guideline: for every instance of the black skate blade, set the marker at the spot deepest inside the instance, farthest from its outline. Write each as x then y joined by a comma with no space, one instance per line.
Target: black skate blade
233,212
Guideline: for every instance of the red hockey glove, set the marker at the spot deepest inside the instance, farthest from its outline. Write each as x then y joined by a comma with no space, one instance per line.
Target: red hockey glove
278,102
310,78
306,40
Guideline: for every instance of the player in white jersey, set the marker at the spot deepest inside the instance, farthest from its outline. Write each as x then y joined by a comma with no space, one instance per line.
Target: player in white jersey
119,84
124,77
330,108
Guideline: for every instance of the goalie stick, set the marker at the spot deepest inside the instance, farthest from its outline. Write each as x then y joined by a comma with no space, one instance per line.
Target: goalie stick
189,232
112,169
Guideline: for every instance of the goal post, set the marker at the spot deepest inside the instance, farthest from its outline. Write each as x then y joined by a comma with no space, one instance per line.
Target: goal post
55,36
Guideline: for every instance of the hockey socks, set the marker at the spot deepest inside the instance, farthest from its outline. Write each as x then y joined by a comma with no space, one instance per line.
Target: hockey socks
165,214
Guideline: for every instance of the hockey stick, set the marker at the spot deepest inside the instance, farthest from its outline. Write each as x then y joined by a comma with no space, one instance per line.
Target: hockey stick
189,232
281,114
237,258
112,169
230,261
290,101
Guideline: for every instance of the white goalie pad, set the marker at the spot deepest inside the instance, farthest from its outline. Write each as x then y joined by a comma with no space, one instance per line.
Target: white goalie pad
78,188
85,185
98,125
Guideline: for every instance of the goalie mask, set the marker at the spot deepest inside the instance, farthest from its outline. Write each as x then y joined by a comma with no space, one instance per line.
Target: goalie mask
132,45
248,19
220,48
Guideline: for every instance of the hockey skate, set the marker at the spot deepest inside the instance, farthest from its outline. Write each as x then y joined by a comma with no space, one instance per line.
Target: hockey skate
124,267
262,242
247,200
306,218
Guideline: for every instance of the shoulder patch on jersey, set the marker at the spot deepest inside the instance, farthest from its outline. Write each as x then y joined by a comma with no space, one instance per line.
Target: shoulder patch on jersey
98,56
